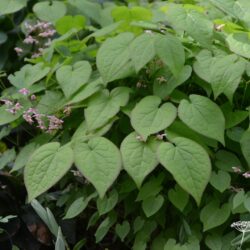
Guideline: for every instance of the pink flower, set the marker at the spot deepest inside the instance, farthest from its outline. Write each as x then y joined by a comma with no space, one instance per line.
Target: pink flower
18,106
161,136
246,175
27,118
30,40
11,110
7,102
24,91
35,55
236,170
33,98
18,50
54,123
47,33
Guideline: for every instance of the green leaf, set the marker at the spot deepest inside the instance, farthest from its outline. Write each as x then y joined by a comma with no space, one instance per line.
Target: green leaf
165,88
24,155
87,90
150,188
51,102
128,15
28,75
196,24
72,78
11,6
214,242
78,206
239,43
104,227
226,75
189,164
99,161
171,52
88,8
113,58
233,117
220,181
152,205
7,157
142,50
46,167
179,129
143,236
122,230
104,106
203,116
60,245
148,118
138,224
245,145
50,11
226,160
139,158
46,216
203,64
83,134
212,215
178,197
7,218
5,131
3,36
223,72
237,9
66,23
238,202
106,204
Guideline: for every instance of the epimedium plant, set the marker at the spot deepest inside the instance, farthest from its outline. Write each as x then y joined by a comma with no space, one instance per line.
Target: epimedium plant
134,120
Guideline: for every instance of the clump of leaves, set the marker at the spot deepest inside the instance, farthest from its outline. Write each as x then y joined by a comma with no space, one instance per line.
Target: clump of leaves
152,147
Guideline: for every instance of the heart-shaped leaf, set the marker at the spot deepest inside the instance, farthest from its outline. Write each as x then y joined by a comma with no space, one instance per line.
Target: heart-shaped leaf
239,43
165,82
28,75
50,11
152,205
189,164
46,167
99,160
11,6
221,181
147,118
204,116
171,51
122,230
139,158
72,78
66,23
142,50
178,197
113,58
212,215
104,106
106,204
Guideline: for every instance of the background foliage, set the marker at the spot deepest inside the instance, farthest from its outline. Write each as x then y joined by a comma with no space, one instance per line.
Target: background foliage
127,122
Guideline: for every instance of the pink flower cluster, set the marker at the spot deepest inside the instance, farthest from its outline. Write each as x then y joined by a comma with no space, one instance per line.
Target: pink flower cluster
39,35
47,123
33,116
238,171
12,107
